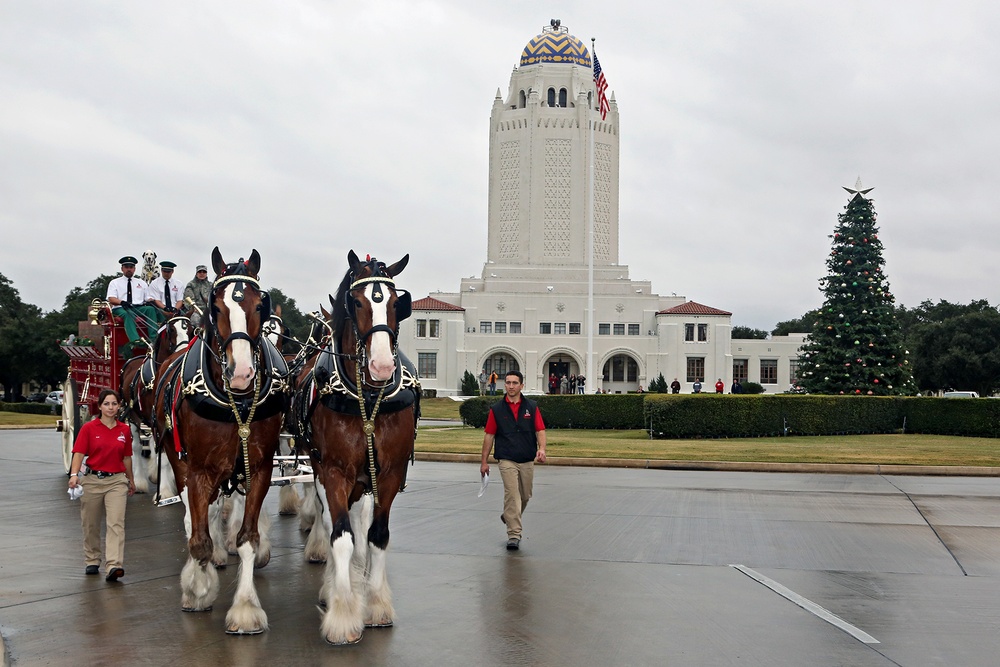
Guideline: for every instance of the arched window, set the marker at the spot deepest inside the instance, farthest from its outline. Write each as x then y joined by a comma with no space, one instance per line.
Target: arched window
520,100
552,97
562,98
501,362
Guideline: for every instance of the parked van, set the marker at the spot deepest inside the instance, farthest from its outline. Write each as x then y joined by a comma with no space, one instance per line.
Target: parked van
961,394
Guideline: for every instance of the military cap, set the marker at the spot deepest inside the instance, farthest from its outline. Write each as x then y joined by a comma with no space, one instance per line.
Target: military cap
200,267
128,259
167,265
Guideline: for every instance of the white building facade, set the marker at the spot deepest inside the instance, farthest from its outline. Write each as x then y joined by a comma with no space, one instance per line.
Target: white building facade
528,309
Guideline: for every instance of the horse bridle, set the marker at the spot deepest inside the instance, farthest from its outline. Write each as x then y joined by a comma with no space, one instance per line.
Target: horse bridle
240,279
378,278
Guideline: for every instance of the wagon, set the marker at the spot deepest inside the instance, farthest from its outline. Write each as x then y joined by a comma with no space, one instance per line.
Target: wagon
92,369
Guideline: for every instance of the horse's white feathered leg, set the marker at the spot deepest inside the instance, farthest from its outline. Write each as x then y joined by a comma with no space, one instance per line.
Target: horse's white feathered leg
361,520
199,586
317,548
220,557
234,520
381,613
343,620
263,553
139,473
288,500
246,617
310,507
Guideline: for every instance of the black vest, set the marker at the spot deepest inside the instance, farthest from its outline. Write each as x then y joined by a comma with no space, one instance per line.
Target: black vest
515,438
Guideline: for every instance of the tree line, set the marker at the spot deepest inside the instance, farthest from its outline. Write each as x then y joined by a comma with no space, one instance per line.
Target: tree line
951,345
29,338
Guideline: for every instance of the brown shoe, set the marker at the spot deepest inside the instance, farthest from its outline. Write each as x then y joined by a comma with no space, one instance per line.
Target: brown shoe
114,574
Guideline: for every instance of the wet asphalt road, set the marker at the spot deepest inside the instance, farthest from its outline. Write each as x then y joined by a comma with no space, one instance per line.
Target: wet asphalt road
617,567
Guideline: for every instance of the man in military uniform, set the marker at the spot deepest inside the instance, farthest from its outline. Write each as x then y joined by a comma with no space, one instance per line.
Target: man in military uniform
199,291
165,292
128,295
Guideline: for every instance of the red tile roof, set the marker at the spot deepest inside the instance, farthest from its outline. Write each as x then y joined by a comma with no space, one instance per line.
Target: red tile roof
430,303
693,308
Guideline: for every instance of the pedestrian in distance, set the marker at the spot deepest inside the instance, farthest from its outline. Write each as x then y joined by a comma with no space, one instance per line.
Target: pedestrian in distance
720,386
696,387
515,432
675,387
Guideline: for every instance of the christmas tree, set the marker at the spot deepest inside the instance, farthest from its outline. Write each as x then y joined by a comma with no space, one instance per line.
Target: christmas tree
856,344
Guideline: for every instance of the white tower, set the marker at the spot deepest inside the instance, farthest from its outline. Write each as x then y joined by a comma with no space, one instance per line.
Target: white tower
539,161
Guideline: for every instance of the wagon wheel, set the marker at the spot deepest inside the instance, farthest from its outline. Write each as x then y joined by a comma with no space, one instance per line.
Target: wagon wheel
71,422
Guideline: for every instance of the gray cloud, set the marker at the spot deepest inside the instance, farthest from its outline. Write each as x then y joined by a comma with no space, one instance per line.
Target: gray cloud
305,129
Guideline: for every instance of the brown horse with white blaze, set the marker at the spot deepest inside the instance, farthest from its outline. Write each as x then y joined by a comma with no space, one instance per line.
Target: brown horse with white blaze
356,410
223,407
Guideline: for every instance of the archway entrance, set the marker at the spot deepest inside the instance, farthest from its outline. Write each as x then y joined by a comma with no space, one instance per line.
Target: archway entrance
557,369
620,375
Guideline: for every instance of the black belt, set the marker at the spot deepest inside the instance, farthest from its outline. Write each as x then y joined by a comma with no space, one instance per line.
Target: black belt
101,474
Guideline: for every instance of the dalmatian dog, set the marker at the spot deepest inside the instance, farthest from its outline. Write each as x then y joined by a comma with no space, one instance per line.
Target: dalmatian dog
150,269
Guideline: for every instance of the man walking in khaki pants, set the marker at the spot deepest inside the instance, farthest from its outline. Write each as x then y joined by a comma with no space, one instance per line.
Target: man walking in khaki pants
515,427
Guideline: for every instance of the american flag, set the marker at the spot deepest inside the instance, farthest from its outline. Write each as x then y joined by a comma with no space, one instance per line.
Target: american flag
602,88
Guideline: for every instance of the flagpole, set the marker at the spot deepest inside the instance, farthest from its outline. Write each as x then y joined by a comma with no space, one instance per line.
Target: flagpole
591,374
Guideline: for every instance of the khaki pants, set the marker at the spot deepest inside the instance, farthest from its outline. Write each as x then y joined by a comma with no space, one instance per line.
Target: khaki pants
517,481
104,498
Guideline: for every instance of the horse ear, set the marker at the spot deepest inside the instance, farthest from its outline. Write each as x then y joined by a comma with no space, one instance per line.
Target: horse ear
277,310
333,305
253,264
353,261
218,263
326,316
398,267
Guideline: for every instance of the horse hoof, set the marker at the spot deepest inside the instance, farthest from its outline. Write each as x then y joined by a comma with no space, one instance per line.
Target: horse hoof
373,624
192,610
317,561
220,566
237,632
346,642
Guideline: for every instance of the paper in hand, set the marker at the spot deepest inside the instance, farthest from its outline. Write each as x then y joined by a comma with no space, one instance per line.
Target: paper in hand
482,488
75,492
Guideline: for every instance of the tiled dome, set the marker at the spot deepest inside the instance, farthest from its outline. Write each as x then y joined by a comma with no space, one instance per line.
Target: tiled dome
555,45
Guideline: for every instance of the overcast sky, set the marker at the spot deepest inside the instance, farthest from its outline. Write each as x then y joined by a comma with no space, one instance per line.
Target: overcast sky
307,128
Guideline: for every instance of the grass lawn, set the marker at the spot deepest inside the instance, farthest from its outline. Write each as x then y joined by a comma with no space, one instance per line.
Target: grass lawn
901,449
23,419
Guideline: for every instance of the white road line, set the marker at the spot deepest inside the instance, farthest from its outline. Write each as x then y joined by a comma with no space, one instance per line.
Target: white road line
808,605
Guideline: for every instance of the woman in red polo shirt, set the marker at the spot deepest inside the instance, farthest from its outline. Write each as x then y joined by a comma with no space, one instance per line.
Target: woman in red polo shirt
106,443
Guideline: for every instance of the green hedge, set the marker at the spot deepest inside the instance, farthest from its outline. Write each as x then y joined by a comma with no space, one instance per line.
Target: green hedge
978,417
596,411
728,416
28,408
764,415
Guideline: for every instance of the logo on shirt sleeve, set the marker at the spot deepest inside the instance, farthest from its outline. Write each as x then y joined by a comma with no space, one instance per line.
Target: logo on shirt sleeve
121,437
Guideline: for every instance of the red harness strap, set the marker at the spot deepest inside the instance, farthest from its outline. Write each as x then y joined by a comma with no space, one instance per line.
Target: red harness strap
173,405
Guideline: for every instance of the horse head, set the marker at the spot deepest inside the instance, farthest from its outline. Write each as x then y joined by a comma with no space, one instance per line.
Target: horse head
237,313
368,298
275,329
174,336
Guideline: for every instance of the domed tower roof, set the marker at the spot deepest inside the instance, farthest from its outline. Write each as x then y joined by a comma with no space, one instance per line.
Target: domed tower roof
555,45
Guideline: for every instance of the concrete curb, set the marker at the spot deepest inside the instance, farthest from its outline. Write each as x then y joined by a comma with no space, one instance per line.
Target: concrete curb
742,466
